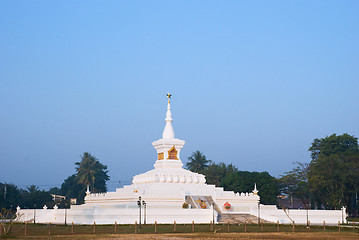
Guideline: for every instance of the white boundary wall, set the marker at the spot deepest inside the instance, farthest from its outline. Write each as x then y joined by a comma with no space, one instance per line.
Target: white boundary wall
121,216
108,215
299,216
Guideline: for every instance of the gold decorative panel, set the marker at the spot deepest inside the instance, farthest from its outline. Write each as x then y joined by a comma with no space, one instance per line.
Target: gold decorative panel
172,153
160,156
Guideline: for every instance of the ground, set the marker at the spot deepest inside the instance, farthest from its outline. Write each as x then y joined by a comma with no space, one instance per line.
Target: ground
179,236
182,231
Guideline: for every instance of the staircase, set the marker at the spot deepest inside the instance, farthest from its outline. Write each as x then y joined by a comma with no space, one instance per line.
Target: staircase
210,200
201,202
239,218
191,203
232,218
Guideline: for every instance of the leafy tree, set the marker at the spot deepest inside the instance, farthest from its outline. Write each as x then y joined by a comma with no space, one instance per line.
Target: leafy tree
55,190
334,179
38,197
10,196
231,179
295,183
216,172
333,145
334,170
243,181
34,197
91,171
197,162
24,198
72,189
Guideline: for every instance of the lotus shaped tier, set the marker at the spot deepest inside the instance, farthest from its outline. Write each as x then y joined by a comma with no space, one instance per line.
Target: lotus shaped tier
169,175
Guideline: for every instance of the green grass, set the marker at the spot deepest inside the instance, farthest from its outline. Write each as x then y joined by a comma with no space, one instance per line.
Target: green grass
18,229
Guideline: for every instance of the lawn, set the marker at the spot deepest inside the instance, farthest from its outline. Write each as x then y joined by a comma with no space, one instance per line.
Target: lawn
182,231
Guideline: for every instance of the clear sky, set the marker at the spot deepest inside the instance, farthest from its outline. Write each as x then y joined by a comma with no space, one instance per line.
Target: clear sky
253,82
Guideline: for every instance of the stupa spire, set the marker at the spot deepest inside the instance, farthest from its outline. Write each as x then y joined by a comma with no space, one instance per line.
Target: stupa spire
255,191
168,132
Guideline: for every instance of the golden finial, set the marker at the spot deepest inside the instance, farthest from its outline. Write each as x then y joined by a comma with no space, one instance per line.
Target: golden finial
169,97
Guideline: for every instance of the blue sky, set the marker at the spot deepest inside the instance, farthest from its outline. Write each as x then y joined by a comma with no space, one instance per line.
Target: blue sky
253,82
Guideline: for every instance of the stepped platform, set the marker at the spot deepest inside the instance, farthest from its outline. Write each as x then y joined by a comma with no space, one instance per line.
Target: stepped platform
239,218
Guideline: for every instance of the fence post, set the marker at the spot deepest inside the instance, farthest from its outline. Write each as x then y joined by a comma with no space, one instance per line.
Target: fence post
50,228
94,227
245,225
0,229
353,226
308,225
277,225
136,227
293,226
25,229
210,226
155,226
72,228
324,225
192,226
174,226
115,226
228,227
262,225
338,226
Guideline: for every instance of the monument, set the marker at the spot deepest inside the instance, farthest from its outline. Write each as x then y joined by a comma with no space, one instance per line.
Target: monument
171,193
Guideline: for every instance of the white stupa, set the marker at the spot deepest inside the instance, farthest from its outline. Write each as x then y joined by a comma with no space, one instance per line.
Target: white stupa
170,192
166,188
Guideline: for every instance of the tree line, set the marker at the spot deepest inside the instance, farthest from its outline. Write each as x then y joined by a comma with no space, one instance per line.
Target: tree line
328,181
89,172
12,196
231,179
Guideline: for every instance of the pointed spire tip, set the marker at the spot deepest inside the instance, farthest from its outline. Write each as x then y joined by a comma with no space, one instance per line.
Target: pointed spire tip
169,97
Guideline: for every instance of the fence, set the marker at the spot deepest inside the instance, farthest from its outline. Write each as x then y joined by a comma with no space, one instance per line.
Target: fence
30,229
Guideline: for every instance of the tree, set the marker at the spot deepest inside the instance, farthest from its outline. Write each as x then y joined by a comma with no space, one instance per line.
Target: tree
333,145
295,183
243,181
7,217
231,179
35,198
334,180
13,197
72,189
91,172
334,170
55,190
197,162
9,195
216,172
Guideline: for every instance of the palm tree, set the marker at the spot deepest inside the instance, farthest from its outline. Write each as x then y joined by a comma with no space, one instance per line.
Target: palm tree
90,170
197,162
32,189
